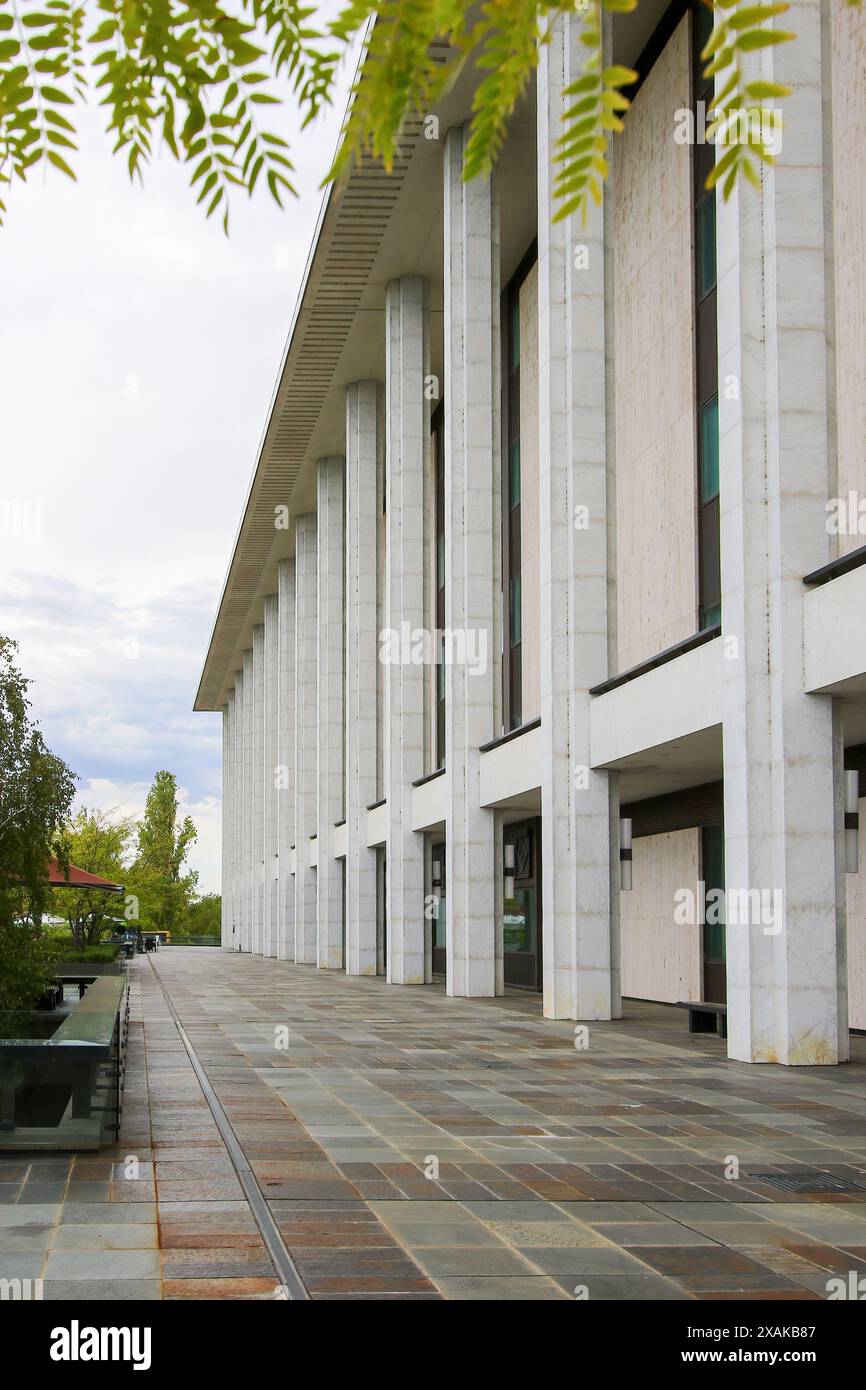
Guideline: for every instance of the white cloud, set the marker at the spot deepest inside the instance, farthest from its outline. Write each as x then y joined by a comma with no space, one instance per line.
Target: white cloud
138,351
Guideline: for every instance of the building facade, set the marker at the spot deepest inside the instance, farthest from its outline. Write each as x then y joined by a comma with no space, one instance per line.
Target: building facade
542,650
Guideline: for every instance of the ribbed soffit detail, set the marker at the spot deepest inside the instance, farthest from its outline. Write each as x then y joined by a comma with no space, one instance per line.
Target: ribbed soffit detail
350,234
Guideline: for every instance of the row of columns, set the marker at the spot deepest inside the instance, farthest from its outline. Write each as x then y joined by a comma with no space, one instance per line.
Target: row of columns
308,688
320,637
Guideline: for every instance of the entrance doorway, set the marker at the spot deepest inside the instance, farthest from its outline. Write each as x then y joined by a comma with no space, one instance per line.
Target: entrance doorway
343,901
713,945
437,883
521,917
381,913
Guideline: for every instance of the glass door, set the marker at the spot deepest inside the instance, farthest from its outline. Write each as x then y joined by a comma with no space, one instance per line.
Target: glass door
521,917
714,969
437,858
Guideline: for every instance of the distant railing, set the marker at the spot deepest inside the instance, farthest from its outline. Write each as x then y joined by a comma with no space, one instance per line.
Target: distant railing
193,941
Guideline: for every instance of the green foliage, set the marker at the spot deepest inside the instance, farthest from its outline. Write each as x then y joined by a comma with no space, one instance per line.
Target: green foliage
203,917
194,75
97,842
591,119
63,948
158,877
740,118
401,74
36,791
187,75
24,970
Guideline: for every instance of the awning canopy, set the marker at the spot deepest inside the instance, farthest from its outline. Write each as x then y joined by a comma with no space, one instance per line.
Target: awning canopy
79,878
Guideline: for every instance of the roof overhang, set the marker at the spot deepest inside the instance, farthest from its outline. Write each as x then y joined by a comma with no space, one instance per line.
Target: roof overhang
373,227
73,877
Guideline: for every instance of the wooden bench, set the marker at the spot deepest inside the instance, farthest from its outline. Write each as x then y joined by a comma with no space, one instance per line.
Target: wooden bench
705,1017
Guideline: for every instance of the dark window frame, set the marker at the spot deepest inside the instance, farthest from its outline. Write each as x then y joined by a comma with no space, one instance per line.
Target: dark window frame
511,594
705,338
437,432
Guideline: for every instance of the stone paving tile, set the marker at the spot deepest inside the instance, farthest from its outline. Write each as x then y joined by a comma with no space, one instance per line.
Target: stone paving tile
414,1147
111,1236
614,1157
102,1290
107,1213
480,1288
245,1289
101,1263
29,1214
239,1262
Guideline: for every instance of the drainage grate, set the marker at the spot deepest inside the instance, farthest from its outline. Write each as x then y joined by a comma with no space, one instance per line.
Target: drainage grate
812,1180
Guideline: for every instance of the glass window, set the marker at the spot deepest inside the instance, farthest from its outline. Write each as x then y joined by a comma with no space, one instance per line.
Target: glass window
713,849
712,615
514,612
518,921
708,433
705,251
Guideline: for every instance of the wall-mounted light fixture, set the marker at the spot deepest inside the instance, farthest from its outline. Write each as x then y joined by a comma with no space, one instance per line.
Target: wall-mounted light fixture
852,820
625,854
508,857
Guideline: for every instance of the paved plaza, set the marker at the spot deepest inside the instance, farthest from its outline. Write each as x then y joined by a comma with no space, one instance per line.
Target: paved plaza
410,1146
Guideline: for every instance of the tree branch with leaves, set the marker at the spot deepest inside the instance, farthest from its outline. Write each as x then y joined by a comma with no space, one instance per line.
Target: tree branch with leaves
195,76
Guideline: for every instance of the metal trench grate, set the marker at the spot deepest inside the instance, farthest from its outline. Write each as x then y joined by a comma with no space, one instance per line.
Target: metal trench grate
809,1180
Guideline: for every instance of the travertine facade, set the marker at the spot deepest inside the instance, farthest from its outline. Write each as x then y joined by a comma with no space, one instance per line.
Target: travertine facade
484,638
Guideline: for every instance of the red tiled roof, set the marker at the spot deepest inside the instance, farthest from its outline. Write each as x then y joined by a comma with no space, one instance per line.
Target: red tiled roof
78,878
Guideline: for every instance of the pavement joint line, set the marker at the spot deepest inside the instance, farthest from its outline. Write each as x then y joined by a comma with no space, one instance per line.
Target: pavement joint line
270,1232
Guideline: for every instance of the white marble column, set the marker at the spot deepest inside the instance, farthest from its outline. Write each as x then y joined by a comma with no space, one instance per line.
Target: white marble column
471,564
271,761
331,768
786,961
227,806
362,448
258,862
576,869
407,436
306,733
238,812
248,838
286,760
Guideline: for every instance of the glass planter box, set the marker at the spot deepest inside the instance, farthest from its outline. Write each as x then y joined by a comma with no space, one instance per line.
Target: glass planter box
61,1073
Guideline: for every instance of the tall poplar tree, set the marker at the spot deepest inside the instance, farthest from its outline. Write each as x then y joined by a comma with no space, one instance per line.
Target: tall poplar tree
160,877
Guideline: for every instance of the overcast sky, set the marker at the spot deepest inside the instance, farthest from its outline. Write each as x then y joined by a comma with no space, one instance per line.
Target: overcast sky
138,352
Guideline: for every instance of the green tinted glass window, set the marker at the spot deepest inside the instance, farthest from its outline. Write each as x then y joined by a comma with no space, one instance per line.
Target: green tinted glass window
713,847
712,615
705,250
514,611
708,435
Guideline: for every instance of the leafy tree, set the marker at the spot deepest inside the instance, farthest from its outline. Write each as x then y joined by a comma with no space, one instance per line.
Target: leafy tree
203,918
192,77
36,791
159,877
98,842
